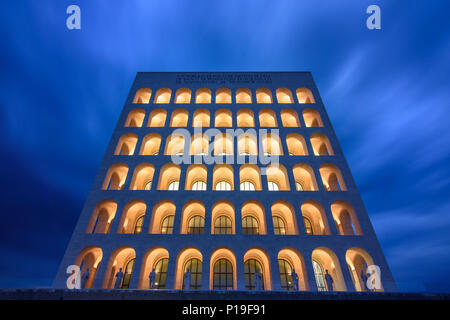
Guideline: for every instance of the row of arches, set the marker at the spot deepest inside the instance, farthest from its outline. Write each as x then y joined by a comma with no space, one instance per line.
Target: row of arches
222,269
223,118
223,95
222,218
198,144
223,179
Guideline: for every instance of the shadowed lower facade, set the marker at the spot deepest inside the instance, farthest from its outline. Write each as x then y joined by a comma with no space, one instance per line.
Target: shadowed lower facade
224,175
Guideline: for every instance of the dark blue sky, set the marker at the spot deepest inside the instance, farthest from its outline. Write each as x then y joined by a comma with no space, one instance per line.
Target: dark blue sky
387,93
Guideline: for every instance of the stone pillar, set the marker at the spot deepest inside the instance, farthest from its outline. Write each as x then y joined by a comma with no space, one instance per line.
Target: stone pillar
276,281
101,270
240,275
137,268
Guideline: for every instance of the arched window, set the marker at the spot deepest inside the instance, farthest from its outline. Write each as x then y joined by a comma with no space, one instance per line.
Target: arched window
127,275
167,225
285,274
196,225
223,95
243,95
263,95
272,186
148,185
161,273
223,186
279,227
183,95
162,95
142,95
222,225
138,225
250,268
174,185
247,186
195,268
135,118
312,118
304,95
308,226
284,95
250,225
320,279
199,186
203,95
223,275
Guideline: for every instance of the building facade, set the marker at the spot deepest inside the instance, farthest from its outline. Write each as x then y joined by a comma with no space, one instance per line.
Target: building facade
224,181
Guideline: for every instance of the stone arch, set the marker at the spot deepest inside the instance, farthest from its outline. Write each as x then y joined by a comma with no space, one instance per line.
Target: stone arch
223,144
247,144
174,144
289,118
183,95
223,208
255,209
149,261
199,144
245,118
263,95
142,95
297,262
312,118
223,118
276,173
203,95
284,95
260,255
304,177
304,95
357,261
157,118
296,145
315,214
201,118
267,118
272,145
191,209
131,213
89,258
135,118
126,144
345,218
115,177
150,145
223,173
183,258
223,95
286,212
222,253
142,177
102,217
321,145
161,210
195,173
163,96
243,95
328,260
118,259
170,173
250,173
179,118
332,178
